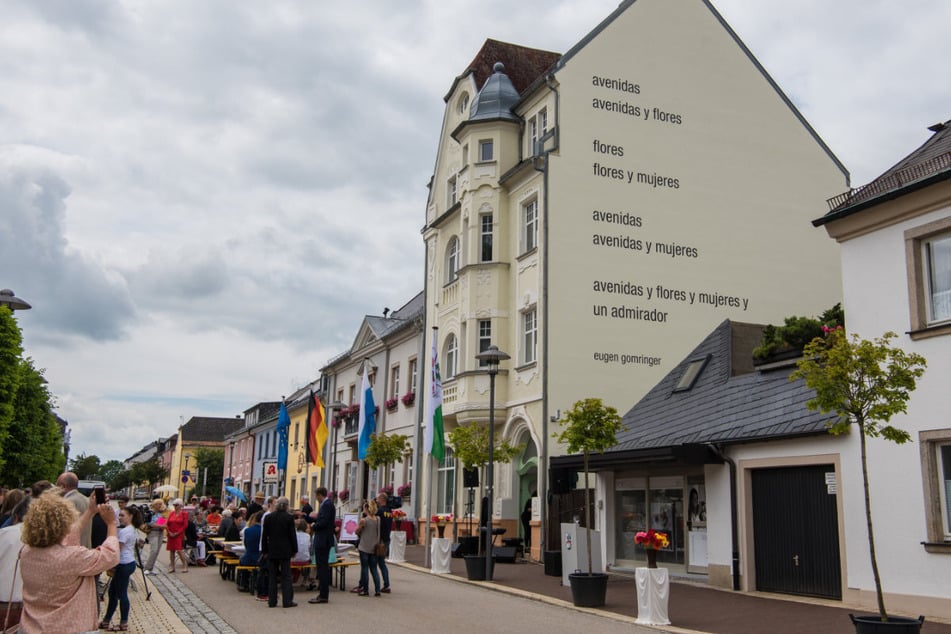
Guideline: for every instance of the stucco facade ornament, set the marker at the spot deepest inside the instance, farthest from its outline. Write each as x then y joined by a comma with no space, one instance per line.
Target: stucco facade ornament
527,376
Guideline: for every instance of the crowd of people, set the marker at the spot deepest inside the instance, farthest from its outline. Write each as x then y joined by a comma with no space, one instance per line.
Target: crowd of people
55,544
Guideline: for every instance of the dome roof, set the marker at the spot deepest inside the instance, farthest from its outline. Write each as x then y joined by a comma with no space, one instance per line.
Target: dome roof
496,98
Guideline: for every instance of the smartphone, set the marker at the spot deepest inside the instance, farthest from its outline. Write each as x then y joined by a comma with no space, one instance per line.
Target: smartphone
100,495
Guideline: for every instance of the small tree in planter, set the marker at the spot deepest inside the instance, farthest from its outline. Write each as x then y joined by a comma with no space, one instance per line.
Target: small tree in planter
865,383
470,445
386,450
589,426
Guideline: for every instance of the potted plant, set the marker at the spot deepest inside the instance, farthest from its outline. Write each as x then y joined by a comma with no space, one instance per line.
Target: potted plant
589,426
408,399
404,490
440,520
865,383
787,341
470,445
343,496
385,451
392,403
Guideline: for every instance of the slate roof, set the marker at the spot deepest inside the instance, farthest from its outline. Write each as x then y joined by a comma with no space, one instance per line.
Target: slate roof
207,429
928,164
398,319
729,403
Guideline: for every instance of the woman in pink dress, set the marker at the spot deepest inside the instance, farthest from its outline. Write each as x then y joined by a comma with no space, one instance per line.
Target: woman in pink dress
175,532
59,575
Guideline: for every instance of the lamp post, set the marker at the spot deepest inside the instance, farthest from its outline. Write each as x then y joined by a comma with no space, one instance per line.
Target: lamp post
185,474
11,301
336,406
492,356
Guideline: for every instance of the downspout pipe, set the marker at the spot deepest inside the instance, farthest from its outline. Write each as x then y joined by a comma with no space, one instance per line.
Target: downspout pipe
734,520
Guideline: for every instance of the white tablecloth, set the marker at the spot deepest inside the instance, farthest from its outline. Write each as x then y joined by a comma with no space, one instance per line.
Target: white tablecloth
397,546
442,554
653,592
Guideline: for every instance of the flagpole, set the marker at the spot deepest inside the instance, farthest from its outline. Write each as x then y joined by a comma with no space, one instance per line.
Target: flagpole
428,435
427,560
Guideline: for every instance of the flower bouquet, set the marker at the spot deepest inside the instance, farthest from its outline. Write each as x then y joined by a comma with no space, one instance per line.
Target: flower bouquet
652,541
398,517
440,520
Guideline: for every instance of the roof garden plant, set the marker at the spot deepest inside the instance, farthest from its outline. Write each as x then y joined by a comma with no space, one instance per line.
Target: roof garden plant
796,332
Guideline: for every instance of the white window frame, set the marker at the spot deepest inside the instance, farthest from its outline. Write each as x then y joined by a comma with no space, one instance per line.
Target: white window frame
446,483
485,338
483,144
453,259
530,335
451,356
938,310
413,374
395,381
451,191
530,225
486,232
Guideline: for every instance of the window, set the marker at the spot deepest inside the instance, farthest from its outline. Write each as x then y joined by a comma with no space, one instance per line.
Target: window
485,150
465,154
296,436
353,393
530,224
485,222
529,336
446,483
395,381
408,469
413,375
452,260
936,258
691,374
464,103
537,127
935,448
451,192
928,254
452,353
485,338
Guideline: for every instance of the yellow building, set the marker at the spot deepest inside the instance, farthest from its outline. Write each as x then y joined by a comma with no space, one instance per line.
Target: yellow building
595,214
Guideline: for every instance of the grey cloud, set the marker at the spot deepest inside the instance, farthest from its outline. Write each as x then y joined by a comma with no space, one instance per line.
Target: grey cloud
72,294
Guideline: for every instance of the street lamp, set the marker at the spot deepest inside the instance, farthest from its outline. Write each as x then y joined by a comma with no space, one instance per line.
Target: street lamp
11,301
185,473
331,481
492,356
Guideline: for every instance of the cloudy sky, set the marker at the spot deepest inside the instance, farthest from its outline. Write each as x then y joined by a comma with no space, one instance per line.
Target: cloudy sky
202,199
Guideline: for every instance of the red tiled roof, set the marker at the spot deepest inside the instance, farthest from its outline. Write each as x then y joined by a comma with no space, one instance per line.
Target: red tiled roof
523,65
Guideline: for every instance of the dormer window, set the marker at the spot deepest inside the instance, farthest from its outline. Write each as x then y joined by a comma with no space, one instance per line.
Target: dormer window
691,374
464,103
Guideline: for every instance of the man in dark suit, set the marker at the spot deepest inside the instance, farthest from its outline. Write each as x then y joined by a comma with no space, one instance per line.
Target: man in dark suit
279,544
323,527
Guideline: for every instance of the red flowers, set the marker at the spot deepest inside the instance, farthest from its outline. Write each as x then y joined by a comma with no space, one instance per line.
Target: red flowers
652,539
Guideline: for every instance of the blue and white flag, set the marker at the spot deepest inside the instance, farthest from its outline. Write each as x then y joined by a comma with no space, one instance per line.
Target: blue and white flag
367,414
283,427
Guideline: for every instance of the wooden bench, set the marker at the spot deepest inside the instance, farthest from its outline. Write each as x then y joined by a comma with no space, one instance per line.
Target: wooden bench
226,566
340,571
253,576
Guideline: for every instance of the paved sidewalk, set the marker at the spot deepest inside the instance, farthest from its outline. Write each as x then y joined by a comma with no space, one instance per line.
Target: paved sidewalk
693,606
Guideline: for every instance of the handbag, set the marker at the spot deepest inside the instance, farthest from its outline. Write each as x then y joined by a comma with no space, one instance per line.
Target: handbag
12,623
380,549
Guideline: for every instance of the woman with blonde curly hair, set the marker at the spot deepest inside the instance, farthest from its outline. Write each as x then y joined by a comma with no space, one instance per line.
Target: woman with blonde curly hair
59,585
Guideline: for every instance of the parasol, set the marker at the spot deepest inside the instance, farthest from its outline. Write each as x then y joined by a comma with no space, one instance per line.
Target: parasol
235,491
167,488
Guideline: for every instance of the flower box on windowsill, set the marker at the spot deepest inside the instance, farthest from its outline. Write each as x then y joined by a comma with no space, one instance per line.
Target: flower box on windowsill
392,403
408,399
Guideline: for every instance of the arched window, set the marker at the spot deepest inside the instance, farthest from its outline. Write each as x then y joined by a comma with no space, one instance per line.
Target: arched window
452,356
464,103
452,260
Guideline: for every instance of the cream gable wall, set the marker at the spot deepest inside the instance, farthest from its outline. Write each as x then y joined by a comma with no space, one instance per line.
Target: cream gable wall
747,177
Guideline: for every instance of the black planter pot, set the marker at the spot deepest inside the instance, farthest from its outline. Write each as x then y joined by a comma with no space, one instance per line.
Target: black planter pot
475,567
588,591
894,625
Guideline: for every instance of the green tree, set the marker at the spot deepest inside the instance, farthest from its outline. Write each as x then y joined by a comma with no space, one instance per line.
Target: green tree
589,426
865,383
470,445
148,472
85,467
11,350
386,450
108,472
214,461
34,445
120,481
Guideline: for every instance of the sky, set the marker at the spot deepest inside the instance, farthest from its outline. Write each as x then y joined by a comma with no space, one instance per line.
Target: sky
201,200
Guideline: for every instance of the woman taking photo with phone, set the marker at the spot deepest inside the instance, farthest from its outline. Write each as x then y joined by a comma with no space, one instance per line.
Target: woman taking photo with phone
119,587
59,575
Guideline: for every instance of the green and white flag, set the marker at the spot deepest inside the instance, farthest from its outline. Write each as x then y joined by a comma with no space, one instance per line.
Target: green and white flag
434,438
